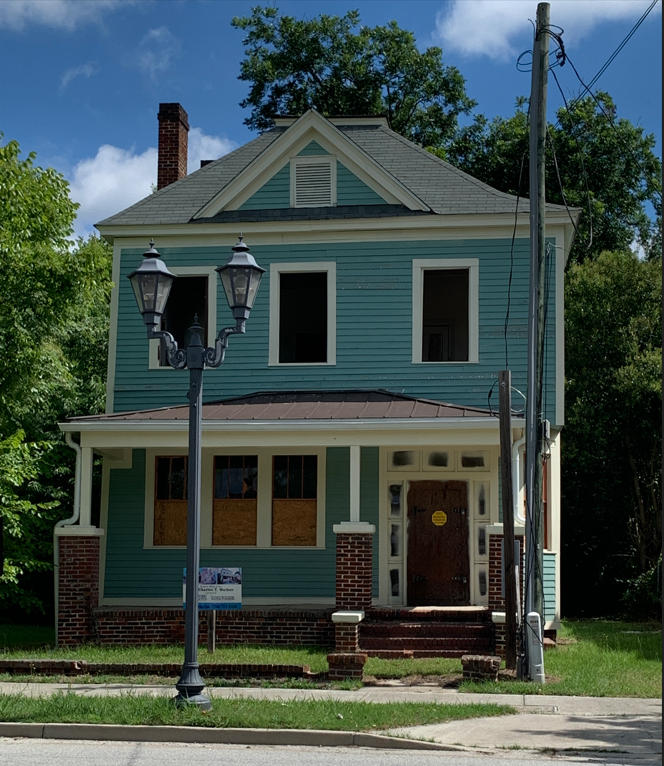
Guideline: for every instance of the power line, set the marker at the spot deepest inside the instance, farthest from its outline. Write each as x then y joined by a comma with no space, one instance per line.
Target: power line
609,61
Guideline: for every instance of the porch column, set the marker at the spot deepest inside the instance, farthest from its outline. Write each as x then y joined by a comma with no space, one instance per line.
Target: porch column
78,583
85,519
496,585
354,549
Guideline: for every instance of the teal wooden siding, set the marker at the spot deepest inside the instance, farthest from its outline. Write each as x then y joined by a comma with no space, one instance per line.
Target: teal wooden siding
272,195
352,191
549,586
312,149
134,572
374,327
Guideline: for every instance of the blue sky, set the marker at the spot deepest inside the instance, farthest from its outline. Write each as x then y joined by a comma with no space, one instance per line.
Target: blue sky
81,80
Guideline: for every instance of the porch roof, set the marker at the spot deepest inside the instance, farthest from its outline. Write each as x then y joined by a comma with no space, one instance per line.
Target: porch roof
304,405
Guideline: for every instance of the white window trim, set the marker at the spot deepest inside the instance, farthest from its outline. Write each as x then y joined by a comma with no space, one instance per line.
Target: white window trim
420,265
317,159
190,271
275,270
264,509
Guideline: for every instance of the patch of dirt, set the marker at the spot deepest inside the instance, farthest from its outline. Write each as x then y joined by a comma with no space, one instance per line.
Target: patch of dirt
566,641
450,681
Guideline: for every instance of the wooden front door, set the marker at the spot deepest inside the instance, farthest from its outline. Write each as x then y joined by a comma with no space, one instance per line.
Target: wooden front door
438,560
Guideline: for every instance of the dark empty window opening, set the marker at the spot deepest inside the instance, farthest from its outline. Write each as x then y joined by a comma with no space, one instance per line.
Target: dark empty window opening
445,316
303,317
188,298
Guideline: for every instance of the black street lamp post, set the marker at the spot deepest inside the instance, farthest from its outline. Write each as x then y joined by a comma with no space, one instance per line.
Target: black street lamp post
152,281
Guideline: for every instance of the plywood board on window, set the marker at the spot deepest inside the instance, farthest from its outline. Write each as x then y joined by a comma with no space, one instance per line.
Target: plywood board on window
234,522
170,522
294,522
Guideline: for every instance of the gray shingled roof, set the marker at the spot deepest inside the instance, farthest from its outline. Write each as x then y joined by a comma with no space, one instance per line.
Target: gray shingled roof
443,187
305,405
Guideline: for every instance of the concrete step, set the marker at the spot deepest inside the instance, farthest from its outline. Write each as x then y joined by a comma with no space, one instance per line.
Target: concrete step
437,614
464,644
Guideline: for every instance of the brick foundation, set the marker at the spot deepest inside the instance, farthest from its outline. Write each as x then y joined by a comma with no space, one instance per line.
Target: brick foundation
78,589
261,626
354,571
496,600
346,665
478,667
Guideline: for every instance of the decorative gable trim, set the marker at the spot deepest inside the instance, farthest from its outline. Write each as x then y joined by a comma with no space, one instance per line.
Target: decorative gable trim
313,181
310,127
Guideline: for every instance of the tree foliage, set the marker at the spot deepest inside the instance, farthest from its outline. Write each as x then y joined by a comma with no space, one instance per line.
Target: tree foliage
612,442
336,66
603,164
54,313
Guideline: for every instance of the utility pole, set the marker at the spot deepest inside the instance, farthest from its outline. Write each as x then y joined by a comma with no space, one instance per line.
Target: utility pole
505,414
534,526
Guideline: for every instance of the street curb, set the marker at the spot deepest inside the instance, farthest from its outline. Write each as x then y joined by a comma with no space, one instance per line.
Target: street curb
200,735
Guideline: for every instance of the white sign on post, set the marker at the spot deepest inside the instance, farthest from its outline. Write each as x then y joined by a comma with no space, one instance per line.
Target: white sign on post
219,588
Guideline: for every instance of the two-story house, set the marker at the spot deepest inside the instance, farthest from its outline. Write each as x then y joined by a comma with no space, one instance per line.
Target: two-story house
350,439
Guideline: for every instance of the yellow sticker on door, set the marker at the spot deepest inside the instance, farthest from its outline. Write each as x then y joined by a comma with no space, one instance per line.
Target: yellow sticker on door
439,518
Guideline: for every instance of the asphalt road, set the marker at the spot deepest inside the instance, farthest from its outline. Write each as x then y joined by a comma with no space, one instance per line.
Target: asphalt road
39,752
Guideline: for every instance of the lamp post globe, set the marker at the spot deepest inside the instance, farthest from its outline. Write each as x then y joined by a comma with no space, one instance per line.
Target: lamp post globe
240,277
152,282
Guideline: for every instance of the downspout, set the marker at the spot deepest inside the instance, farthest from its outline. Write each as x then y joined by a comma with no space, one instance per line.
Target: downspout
516,449
66,523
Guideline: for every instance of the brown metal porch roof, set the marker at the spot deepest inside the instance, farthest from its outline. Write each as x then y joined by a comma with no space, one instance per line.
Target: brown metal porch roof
305,405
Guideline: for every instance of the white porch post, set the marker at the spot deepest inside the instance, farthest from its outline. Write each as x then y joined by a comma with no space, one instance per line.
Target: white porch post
85,519
355,483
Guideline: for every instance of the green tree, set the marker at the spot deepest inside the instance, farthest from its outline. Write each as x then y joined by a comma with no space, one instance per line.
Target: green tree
54,315
612,441
604,164
336,66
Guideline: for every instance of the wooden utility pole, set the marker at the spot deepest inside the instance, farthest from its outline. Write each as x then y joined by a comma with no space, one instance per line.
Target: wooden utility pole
505,414
534,526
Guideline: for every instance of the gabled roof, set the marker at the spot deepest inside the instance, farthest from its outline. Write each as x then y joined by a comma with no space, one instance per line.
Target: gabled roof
304,405
415,178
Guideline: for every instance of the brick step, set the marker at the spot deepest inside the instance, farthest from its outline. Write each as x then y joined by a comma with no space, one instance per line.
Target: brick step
469,645
424,629
431,614
406,654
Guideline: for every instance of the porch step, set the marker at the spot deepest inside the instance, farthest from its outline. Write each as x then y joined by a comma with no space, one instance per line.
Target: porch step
448,614
428,636
472,645
407,654
464,630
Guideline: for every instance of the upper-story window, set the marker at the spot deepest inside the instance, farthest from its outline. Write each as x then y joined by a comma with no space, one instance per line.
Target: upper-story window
445,310
313,181
302,313
193,294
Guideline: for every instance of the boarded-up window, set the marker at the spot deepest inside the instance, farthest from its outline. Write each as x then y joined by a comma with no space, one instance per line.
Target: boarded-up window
445,316
170,501
235,503
294,503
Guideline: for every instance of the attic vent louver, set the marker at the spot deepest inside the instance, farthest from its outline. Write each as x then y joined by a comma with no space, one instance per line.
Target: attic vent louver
314,183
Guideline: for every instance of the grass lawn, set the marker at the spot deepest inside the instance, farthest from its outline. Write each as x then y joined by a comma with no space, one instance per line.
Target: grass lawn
237,713
594,658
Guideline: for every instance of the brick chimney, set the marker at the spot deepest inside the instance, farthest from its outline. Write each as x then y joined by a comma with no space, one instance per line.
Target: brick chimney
173,143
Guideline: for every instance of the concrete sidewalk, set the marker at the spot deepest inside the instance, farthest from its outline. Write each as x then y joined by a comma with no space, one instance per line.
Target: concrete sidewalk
553,723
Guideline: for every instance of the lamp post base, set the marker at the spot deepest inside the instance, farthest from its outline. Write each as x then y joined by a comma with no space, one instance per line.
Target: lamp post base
190,687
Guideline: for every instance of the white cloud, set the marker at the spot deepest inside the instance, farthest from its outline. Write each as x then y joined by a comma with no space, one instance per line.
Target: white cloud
203,147
116,178
60,14
156,51
494,27
85,70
